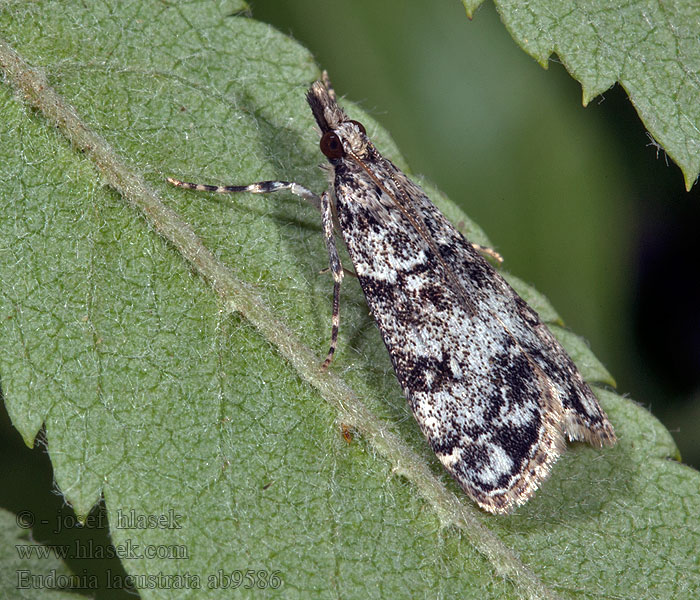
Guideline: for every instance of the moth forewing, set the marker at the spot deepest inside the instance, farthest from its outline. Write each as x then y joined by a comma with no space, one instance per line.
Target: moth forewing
492,390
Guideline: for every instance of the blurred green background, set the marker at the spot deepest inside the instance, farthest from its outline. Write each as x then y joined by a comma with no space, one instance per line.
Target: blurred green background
577,200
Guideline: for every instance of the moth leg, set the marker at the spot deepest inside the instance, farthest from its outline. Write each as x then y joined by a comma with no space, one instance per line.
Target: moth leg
337,270
261,187
323,204
490,252
348,272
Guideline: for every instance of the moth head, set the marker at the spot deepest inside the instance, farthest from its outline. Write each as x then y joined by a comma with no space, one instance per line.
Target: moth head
340,135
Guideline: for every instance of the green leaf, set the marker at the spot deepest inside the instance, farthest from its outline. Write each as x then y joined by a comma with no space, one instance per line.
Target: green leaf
535,299
170,341
591,368
651,49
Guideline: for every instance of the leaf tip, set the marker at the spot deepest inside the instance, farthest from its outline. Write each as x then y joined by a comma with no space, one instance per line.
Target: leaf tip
690,179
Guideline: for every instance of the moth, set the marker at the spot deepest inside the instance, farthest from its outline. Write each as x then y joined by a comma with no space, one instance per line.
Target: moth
492,390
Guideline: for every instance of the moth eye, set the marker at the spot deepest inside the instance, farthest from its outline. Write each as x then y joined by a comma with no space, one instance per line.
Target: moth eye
360,125
331,145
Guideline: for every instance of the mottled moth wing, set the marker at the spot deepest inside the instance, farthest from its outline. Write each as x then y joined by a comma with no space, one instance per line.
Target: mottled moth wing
491,388
584,420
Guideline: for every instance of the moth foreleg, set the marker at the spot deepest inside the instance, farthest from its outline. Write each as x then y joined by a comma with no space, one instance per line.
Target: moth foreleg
337,270
323,203
347,272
